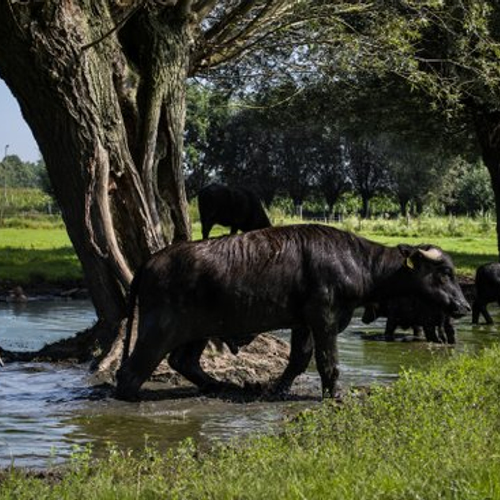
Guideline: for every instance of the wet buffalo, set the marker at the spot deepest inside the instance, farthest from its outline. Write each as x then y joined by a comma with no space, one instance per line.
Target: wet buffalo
238,208
308,278
411,312
487,290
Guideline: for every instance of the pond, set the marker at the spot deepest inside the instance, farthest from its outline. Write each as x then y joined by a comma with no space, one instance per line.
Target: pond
47,410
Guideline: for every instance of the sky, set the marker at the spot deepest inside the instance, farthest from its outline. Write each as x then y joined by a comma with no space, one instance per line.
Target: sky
14,132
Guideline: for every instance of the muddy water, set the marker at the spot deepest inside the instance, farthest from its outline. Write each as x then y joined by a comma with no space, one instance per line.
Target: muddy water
47,410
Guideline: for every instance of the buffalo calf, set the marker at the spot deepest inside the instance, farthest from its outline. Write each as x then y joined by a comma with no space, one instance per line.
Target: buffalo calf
308,278
410,312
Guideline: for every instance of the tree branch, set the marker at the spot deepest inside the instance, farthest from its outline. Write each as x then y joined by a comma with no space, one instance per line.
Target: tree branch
220,28
203,8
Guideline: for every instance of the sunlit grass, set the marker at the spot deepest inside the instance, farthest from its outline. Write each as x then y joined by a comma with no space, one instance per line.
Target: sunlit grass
430,435
29,256
33,250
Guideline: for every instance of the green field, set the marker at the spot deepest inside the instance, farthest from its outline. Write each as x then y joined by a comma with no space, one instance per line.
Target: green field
43,251
31,256
430,435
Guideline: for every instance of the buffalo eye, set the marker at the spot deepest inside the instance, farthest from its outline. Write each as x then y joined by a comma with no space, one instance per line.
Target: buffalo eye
444,275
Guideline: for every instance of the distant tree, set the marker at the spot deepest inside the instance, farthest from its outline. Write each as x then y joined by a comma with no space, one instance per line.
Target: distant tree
208,111
16,173
367,170
413,173
466,189
250,152
331,176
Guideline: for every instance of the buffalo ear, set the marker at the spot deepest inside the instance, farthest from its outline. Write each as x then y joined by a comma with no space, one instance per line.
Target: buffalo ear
406,250
410,254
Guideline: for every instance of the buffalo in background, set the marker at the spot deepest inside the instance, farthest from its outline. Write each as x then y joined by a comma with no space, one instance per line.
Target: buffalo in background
411,312
487,290
237,208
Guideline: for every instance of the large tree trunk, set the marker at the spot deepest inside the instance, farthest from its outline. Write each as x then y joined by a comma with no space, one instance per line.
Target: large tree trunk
101,84
99,136
488,133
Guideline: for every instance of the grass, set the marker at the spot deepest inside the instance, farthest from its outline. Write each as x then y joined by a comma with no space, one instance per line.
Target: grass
35,255
37,249
432,435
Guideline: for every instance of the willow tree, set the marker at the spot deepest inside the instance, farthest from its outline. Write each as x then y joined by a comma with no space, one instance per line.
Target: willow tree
102,84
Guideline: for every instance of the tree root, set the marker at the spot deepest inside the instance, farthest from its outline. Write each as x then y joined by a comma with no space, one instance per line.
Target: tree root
84,347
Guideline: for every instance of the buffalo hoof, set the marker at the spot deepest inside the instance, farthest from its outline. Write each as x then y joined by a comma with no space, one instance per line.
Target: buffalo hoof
254,389
280,390
124,394
127,385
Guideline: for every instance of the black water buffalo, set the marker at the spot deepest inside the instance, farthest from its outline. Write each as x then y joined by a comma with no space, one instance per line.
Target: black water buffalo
309,278
487,290
238,208
411,312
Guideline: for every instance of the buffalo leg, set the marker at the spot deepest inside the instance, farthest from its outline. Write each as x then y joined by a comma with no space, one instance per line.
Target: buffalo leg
417,331
326,352
137,369
441,335
152,345
475,312
486,314
186,360
206,227
449,330
479,307
430,334
300,355
390,328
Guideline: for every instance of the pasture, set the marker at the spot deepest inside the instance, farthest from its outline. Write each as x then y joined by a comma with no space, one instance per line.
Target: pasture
39,251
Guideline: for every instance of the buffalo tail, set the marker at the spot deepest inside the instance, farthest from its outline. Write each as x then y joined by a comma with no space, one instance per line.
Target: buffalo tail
132,298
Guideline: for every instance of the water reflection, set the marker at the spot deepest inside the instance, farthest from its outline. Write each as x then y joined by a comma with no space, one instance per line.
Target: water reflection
45,410
30,325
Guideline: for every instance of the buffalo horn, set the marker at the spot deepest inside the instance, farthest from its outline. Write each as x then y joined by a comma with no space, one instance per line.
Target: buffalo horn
432,254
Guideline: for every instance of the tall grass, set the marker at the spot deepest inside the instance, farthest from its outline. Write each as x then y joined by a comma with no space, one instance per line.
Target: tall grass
456,227
432,435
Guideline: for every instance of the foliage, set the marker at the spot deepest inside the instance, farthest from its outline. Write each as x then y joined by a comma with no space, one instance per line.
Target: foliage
14,173
449,49
24,202
432,434
207,110
323,141
466,189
